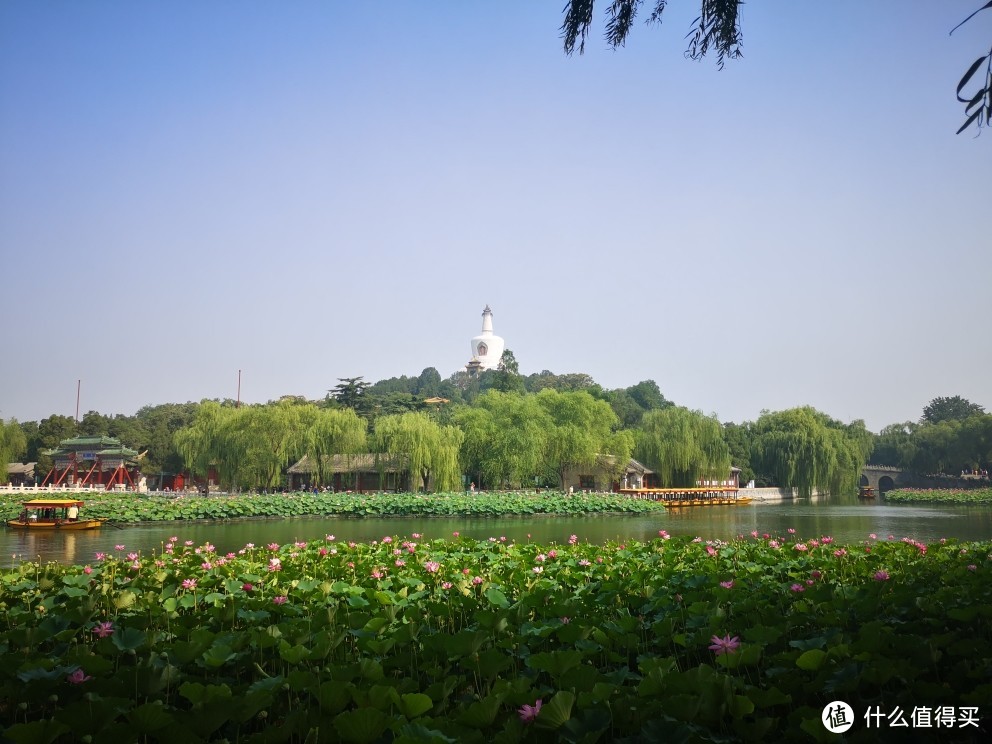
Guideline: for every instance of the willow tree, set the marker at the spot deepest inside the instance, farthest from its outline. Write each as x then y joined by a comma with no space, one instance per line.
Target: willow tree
13,443
430,449
804,449
505,438
328,432
582,433
247,446
202,444
682,446
266,440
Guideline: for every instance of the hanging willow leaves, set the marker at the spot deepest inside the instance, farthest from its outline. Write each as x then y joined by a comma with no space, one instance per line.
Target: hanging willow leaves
327,432
247,447
505,438
581,434
12,445
431,449
683,447
804,449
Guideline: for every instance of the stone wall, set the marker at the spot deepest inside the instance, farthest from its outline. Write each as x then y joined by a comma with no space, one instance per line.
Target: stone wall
773,494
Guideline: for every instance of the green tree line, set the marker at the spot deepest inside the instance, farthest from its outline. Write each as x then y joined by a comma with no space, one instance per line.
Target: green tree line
502,429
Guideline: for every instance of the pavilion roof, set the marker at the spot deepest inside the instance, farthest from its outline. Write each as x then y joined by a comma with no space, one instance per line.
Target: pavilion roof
367,462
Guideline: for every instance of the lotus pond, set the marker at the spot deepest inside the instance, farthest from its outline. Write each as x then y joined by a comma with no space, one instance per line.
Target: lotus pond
131,507
982,496
444,640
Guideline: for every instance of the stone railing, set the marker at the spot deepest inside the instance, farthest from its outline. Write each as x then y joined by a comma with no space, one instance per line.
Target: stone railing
88,488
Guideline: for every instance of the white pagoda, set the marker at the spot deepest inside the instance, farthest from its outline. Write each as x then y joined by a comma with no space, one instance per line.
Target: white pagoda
487,348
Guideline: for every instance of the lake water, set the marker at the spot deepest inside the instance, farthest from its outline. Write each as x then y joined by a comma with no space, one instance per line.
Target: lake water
846,520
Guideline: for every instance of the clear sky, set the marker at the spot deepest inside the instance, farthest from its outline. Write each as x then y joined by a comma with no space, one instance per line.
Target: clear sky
313,190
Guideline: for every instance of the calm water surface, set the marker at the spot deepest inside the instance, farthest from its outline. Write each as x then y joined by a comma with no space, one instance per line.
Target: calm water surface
846,520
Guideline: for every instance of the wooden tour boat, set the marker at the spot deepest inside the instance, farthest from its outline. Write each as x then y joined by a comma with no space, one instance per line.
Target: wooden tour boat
866,492
674,498
53,514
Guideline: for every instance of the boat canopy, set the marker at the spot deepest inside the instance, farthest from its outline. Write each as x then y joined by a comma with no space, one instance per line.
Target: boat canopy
51,503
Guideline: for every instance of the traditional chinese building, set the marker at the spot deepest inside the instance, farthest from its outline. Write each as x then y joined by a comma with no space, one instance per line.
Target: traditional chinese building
83,461
361,472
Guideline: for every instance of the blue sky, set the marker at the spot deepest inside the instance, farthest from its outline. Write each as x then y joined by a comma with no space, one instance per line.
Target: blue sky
313,190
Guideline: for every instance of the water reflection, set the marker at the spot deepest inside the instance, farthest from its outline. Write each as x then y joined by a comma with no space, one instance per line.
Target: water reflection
844,520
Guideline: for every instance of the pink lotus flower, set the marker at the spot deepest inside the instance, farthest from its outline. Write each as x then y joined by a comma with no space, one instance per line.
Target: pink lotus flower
528,713
552,554
132,556
774,544
118,547
476,580
797,588
329,538
188,543
189,583
454,534
754,533
273,546
247,586
873,536
101,556
972,567
801,547
725,645
279,600
792,531
446,585
572,539
727,584
840,553
881,576
78,677
537,569
416,535
432,566
102,630
87,570
585,562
